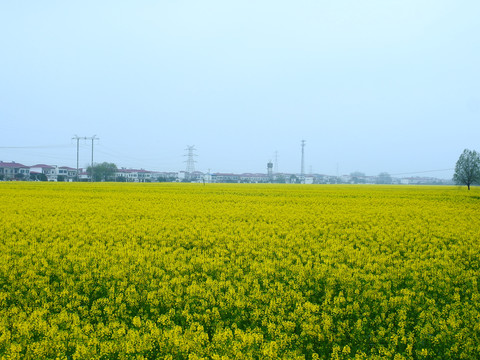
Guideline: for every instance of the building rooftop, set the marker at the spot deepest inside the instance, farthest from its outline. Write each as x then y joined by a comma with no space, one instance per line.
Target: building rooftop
43,166
12,164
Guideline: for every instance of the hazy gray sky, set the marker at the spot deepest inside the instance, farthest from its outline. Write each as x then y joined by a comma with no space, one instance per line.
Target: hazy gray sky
380,85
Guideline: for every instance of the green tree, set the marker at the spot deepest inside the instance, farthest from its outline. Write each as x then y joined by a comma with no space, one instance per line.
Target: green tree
280,179
38,177
467,169
102,172
358,177
384,178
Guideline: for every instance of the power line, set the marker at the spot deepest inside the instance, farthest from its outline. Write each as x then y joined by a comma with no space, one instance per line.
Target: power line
119,155
422,172
36,147
143,162
78,138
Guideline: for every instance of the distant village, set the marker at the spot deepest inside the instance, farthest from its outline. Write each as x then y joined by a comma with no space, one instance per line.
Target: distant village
12,171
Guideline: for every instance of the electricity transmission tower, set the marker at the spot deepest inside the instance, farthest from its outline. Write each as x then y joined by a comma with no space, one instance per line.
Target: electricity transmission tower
190,160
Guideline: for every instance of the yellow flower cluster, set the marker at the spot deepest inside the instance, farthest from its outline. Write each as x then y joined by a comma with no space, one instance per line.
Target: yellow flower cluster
190,271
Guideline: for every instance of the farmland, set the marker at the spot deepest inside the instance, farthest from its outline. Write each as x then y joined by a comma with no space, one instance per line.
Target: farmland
187,271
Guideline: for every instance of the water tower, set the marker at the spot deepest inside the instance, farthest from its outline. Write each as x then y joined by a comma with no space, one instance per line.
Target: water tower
270,170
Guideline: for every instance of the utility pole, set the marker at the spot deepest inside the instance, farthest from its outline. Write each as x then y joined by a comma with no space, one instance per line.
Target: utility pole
92,138
76,137
209,177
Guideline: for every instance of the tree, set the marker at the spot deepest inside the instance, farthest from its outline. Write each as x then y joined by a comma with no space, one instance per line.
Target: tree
384,178
294,179
38,177
280,179
102,172
467,169
358,177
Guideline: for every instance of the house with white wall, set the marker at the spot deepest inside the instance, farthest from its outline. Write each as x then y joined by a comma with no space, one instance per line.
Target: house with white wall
133,175
50,171
13,170
69,174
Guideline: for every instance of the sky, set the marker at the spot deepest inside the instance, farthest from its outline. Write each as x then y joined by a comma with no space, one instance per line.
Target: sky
371,86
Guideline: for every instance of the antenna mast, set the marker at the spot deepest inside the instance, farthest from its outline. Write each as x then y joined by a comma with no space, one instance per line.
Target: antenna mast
275,167
302,170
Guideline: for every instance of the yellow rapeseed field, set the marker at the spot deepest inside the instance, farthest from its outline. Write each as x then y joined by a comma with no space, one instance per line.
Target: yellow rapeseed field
187,271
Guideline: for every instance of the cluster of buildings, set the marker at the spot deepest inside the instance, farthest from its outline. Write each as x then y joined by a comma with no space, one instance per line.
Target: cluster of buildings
42,172
382,179
17,171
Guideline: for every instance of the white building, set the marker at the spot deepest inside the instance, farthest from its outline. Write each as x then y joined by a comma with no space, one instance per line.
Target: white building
48,170
133,175
13,170
254,178
68,173
309,179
